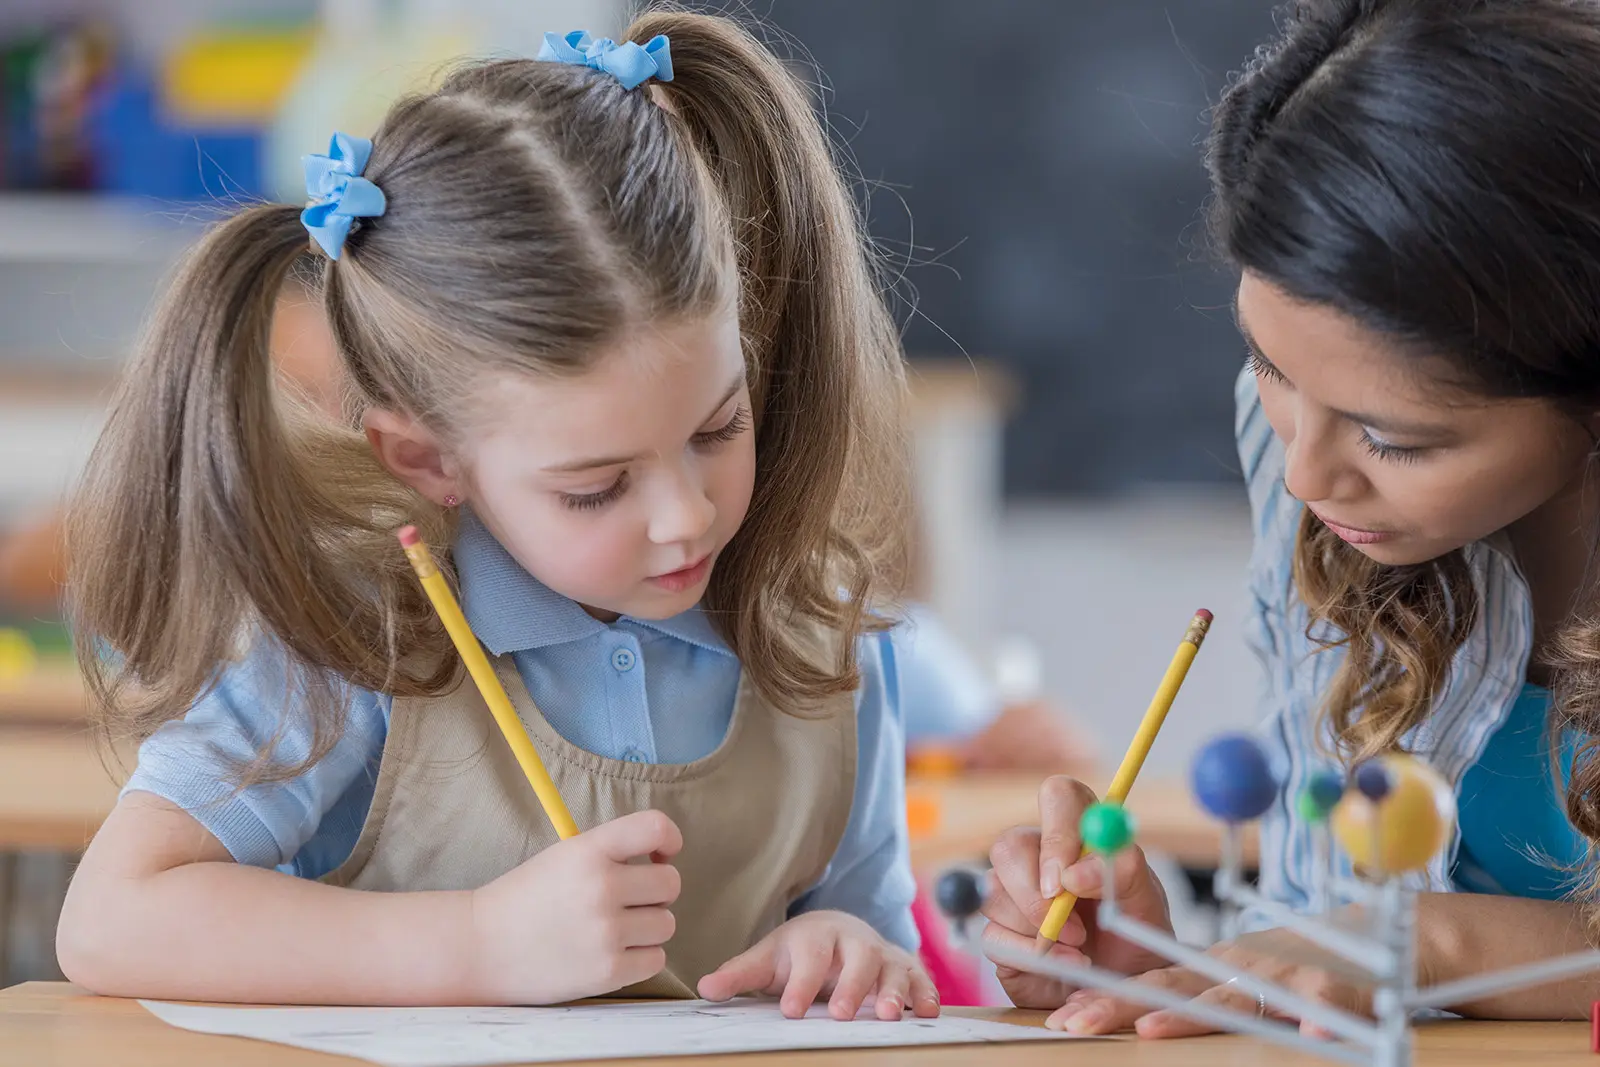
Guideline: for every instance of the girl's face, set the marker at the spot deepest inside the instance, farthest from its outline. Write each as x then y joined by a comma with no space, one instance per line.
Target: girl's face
617,488
1399,463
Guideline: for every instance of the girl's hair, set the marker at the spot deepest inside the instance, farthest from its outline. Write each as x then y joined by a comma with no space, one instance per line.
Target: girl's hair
536,211
1430,168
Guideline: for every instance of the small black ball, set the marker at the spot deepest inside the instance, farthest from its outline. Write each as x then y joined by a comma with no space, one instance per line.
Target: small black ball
959,893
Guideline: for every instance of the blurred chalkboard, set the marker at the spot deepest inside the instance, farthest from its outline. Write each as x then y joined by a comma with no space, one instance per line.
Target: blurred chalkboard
1047,154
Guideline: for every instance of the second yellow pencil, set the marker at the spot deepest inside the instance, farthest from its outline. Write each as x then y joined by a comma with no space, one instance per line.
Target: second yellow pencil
1154,716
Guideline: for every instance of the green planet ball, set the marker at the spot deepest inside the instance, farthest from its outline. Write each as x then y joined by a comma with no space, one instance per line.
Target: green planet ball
1106,829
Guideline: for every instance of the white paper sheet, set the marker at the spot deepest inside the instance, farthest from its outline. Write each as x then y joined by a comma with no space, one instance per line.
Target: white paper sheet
480,1037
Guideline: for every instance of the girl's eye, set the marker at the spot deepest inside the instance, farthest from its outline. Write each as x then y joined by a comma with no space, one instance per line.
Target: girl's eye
1384,450
590,501
1261,368
727,431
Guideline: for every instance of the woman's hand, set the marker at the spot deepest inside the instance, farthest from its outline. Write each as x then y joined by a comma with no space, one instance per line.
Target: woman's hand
1279,957
1032,865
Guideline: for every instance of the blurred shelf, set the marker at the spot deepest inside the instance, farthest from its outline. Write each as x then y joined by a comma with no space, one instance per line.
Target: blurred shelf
57,378
92,229
52,695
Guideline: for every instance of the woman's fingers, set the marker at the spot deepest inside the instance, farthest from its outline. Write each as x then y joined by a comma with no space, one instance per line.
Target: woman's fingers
1090,1011
1062,802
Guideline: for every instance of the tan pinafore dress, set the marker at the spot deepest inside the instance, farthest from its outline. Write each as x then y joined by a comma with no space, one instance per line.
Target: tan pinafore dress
761,815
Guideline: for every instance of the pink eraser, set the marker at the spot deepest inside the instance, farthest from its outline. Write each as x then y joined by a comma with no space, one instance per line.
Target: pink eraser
408,536
1594,1027
1204,614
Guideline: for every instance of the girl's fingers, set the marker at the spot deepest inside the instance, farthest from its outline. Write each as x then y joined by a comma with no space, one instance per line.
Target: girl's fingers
641,884
894,989
924,996
811,963
644,927
857,975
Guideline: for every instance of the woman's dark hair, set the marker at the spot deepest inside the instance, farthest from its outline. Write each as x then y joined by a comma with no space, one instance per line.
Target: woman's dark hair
1430,169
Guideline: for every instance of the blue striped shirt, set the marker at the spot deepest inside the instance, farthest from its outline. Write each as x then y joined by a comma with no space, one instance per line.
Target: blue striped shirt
1484,681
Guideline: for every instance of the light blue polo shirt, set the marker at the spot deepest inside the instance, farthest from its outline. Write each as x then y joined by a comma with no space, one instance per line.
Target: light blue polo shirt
656,691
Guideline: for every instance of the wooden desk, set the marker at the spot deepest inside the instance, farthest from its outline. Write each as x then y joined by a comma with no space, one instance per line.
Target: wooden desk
52,694
973,810
55,788
56,1025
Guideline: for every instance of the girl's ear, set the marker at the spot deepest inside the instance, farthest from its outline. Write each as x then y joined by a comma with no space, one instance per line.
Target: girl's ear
413,454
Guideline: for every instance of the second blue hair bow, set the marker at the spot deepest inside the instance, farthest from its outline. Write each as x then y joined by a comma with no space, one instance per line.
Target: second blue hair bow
630,63
339,194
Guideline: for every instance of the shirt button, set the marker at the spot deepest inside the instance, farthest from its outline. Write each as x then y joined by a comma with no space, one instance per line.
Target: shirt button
622,659
633,755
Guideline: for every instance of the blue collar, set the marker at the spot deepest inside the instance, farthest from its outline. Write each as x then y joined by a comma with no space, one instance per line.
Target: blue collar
512,611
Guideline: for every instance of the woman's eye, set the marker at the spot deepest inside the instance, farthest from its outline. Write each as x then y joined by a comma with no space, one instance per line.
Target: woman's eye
1382,449
1261,368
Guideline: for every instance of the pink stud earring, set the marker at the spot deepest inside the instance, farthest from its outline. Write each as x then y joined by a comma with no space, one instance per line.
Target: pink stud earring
451,500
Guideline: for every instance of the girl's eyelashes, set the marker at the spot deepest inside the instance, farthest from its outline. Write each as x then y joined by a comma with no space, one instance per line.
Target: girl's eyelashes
1384,450
727,431
738,424
591,501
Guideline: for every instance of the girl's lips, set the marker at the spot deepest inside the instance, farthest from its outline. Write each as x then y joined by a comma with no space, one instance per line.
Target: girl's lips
684,578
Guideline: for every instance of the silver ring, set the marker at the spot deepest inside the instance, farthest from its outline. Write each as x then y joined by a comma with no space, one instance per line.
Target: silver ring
1261,999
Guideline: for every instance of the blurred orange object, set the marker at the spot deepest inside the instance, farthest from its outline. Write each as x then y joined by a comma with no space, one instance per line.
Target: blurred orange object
33,566
935,760
922,813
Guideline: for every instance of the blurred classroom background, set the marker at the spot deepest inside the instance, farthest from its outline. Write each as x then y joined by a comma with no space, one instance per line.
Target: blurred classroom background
1031,168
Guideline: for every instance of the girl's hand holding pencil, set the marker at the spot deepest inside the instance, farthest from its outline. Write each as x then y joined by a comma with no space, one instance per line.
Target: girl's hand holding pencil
579,919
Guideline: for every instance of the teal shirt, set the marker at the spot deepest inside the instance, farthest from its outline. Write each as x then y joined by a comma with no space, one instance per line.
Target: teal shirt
1515,837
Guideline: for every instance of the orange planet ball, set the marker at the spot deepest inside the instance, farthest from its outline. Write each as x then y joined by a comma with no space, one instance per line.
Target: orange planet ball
1411,824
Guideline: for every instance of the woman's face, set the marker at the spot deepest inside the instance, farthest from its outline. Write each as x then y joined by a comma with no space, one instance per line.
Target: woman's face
1390,455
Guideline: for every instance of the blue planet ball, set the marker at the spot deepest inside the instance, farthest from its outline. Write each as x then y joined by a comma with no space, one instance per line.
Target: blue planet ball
1372,779
1326,789
959,893
1232,778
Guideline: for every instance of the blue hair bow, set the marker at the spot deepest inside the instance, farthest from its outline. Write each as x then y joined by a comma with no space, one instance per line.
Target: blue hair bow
339,194
630,63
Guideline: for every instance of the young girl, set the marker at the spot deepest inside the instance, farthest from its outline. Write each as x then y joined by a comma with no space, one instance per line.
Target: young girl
614,341
1411,190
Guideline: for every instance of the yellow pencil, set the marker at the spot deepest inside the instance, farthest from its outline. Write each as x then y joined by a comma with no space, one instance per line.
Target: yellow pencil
494,694
1154,716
